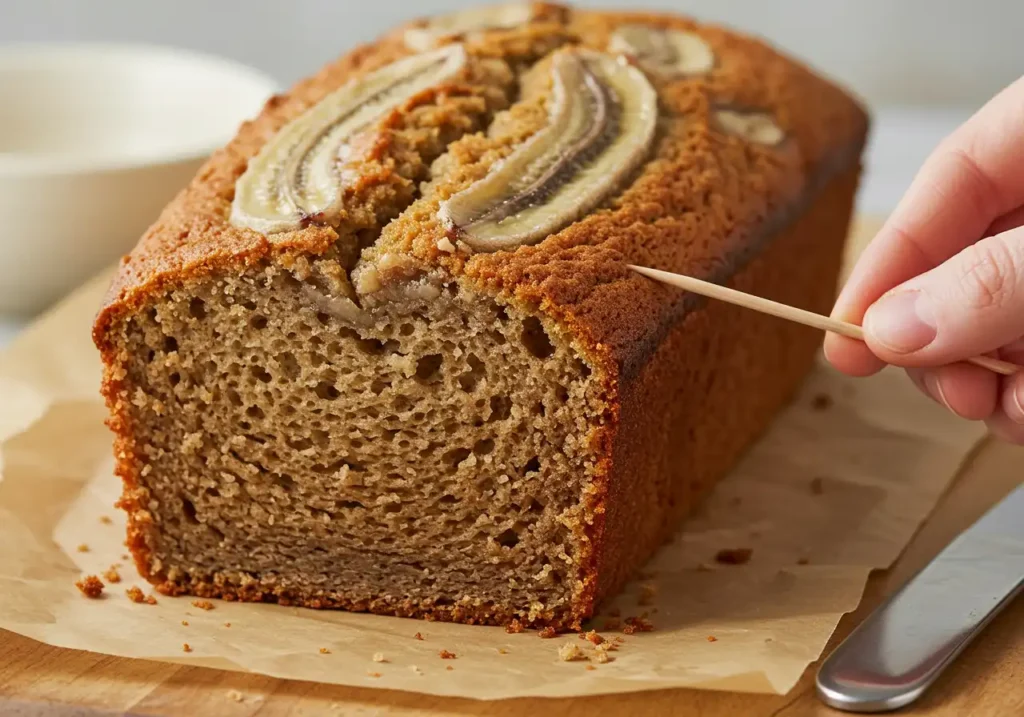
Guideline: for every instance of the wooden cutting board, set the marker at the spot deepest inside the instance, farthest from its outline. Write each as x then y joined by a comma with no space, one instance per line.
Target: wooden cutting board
988,679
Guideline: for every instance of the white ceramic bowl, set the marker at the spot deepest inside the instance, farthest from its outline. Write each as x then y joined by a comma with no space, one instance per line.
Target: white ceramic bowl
94,140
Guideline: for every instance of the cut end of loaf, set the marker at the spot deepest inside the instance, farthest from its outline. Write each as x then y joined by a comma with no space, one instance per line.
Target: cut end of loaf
431,462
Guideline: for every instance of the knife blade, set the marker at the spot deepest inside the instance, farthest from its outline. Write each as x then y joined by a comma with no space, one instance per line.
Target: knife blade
891,658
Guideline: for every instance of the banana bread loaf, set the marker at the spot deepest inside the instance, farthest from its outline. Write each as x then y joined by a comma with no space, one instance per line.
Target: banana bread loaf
383,353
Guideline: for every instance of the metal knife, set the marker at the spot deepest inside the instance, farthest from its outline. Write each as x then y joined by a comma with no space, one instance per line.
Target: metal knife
891,658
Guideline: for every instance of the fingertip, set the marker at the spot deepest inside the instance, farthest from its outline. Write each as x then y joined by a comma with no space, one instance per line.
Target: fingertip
967,391
851,357
1012,399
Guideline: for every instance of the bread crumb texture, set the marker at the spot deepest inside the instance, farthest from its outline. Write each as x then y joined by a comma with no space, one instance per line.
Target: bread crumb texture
570,651
415,396
90,586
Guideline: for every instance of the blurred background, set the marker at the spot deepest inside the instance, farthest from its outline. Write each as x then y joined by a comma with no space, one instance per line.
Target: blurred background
923,66
907,52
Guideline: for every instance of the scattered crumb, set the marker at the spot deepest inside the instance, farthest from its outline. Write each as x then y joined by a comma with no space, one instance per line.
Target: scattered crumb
227,624
185,647
373,674
592,637
569,652
602,656
418,636
734,556
514,628
590,667
548,632
379,657
83,548
502,651
637,624
416,669
818,486
612,623
202,604
803,561
236,696
126,557
615,612
106,519
324,651
768,639
135,594
91,586
618,639
185,623
822,402
150,600
647,591
445,655
449,668
712,638
111,575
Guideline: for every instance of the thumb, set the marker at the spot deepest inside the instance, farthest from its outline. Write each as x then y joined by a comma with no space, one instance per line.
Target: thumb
969,305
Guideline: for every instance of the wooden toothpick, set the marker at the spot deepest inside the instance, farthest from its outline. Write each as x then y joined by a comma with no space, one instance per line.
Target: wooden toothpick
790,313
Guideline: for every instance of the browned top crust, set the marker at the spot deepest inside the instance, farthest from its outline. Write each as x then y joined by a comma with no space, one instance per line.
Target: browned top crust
700,205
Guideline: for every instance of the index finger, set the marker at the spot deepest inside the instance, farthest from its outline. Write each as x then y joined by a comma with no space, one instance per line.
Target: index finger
974,177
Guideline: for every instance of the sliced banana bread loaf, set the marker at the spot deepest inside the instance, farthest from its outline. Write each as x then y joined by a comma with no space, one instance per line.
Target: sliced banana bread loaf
383,352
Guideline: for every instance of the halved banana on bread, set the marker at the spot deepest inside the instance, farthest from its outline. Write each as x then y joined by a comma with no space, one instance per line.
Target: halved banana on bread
663,50
753,126
602,118
296,177
465,22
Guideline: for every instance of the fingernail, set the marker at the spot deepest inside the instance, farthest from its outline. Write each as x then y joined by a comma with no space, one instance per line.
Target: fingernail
935,388
902,322
1018,399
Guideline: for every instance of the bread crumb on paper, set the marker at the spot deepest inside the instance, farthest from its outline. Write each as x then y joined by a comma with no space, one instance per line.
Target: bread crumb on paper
111,575
637,624
502,651
91,586
106,519
83,548
449,668
602,656
379,657
418,636
203,604
324,651
734,556
548,632
592,637
227,624
590,667
135,594
712,638
570,651
185,623
514,628
236,696
185,647
803,561
373,674
445,655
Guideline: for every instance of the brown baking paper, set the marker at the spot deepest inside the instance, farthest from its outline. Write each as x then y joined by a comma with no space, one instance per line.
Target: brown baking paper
828,495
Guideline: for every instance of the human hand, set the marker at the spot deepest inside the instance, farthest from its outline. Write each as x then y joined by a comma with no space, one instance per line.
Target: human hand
944,279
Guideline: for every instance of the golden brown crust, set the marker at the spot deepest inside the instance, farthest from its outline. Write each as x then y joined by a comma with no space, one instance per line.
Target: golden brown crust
706,204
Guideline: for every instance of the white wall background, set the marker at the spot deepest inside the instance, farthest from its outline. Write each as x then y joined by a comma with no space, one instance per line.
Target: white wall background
906,52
